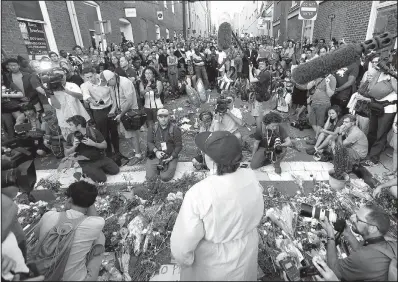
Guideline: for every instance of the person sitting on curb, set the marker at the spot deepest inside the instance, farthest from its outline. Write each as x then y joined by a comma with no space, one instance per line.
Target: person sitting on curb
271,143
164,144
88,142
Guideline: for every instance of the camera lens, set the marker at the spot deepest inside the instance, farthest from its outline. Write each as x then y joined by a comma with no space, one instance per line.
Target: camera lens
317,213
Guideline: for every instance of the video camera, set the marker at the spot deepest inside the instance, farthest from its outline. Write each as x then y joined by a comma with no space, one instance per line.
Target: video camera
17,166
50,80
222,105
339,223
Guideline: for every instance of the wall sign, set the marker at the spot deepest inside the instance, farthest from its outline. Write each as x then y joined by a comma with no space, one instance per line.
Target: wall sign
130,12
34,37
308,10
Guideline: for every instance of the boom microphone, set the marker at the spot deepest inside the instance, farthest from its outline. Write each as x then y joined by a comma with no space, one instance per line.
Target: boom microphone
342,57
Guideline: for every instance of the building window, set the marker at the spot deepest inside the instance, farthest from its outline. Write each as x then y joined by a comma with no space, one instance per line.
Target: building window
167,33
165,4
175,34
157,28
294,3
172,6
308,28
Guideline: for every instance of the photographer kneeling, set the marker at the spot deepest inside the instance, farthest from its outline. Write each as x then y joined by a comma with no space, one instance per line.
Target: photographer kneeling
164,145
271,142
227,117
89,143
369,260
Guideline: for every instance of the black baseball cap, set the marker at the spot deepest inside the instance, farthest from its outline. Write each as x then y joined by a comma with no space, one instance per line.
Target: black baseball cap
221,146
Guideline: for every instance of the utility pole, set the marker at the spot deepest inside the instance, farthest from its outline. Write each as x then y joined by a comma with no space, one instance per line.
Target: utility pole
184,20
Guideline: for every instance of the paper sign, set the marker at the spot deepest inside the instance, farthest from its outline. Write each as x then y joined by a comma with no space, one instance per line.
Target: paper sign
168,272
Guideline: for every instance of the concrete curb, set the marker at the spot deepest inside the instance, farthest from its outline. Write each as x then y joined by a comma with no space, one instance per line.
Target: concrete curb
307,171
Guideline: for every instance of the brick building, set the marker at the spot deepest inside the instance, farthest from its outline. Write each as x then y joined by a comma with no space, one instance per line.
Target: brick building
353,20
37,27
199,18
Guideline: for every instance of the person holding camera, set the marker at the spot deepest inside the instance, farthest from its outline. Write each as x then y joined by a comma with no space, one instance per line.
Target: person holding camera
164,145
215,235
205,122
369,260
89,143
271,143
69,96
151,88
227,117
103,105
126,106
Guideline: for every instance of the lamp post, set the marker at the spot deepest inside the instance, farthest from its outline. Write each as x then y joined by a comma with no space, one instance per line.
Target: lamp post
331,17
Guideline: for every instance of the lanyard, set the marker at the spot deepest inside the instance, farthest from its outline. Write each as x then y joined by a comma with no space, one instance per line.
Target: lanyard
269,139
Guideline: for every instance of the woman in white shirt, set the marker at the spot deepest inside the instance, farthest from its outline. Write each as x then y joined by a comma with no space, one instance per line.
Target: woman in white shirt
151,88
215,236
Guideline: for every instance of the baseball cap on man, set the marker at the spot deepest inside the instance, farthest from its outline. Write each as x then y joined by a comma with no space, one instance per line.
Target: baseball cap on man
163,112
221,146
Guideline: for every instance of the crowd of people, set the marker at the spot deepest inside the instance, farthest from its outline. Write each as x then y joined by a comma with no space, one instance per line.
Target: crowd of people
79,103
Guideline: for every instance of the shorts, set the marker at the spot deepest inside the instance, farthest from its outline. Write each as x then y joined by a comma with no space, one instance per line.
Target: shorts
317,114
257,109
151,114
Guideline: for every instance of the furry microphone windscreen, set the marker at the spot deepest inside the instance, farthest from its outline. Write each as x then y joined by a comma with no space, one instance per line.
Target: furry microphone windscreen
327,64
224,36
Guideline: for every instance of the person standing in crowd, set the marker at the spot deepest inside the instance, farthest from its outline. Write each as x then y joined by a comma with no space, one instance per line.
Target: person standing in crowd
54,59
199,60
24,82
162,63
125,70
151,88
77,59
261,87
164,145
102,105
180,54
69,99
215,235
172,70
252,55
126,101
365,262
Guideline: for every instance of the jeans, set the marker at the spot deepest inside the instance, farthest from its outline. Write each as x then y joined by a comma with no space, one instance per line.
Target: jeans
200,72
166,175
7,121
108,128
97,170
378,131
259,159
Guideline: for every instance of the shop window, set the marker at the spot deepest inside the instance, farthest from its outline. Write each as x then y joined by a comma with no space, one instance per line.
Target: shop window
165,4
167,33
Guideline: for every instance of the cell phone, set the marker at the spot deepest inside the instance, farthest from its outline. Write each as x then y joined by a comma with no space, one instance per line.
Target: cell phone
289,266
23,127
308,271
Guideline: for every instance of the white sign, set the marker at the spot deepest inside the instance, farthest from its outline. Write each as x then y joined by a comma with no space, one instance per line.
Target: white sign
308,10
160,15
130,12
168,272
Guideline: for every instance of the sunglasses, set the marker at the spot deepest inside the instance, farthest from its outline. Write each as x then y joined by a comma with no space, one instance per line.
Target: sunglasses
163,116
359,220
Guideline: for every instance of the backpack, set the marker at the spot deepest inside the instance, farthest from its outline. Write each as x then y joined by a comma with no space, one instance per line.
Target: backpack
51,253
392,269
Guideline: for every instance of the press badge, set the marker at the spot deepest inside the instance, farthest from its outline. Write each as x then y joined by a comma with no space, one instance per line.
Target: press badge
164,146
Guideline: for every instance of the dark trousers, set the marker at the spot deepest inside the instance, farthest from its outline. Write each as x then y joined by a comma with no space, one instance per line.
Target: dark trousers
200,72
7,121
378,131
108,128
97,170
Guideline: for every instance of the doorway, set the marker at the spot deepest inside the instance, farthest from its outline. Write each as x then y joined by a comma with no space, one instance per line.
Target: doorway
126,29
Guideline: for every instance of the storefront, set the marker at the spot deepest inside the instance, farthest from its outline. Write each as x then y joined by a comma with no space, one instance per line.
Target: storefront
35,27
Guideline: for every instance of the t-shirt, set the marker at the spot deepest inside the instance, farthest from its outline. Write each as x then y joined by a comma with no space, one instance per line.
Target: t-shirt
261,136
89,152
320,97
97,92
227,122
163,60
87,234
358,141
17,79
76,79
364,264
342,76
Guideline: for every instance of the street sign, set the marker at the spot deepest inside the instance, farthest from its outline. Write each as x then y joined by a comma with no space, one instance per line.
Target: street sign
160,15
130,12
331,16
308,10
